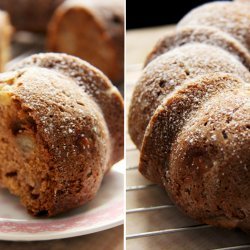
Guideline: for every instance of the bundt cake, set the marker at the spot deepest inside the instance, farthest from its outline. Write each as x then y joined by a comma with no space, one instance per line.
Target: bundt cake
61,131
190,115
93,31
5,39
30,15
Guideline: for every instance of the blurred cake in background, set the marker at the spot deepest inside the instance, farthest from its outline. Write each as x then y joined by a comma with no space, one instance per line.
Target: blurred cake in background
92,30
30,15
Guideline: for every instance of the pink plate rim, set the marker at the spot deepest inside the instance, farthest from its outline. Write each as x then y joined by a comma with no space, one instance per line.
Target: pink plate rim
103,218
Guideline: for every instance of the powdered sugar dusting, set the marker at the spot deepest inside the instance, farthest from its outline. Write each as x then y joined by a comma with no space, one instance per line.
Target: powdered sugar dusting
170,70
190,115
95,85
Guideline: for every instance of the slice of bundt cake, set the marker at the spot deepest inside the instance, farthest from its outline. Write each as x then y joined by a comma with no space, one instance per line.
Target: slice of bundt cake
56,141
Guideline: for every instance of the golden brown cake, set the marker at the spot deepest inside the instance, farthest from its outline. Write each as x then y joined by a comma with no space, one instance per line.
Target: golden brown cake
5,39
30,15
93,31
190,115
57,140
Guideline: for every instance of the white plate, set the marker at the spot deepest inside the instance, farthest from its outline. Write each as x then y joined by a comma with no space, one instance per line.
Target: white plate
104,212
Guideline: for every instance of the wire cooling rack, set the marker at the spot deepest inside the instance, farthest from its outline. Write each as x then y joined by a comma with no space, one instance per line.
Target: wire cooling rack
153,222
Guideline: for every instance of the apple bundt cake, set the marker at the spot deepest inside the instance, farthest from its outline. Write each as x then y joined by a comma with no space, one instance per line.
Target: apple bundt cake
190,115
61,130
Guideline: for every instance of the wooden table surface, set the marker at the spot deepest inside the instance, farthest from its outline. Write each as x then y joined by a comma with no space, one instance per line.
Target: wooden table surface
140,41
142,194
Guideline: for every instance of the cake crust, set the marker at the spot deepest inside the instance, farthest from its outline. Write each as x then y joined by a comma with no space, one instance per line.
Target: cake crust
230,17
54,142
170,70
210,161
95,84
200,34
170,117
